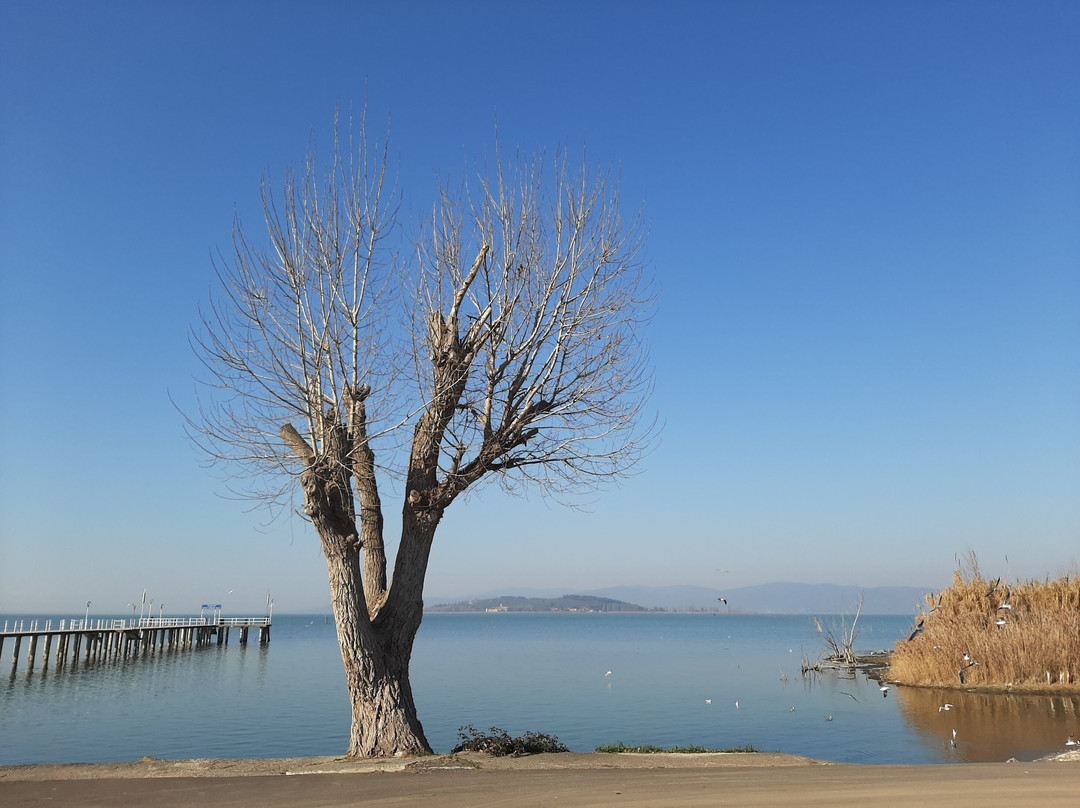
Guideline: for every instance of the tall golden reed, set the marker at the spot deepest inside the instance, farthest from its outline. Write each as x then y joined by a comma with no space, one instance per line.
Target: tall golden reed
1023,636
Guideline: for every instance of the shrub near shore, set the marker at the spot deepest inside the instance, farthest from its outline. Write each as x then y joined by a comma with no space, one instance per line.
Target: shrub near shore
993,634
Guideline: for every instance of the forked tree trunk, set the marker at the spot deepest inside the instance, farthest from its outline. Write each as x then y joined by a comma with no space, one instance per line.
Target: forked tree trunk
376,638
376,655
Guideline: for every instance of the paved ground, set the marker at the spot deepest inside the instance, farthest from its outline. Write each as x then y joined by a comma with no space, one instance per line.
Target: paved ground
664,781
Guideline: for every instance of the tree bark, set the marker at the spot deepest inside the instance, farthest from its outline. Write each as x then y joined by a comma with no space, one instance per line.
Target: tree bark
375,652
376,660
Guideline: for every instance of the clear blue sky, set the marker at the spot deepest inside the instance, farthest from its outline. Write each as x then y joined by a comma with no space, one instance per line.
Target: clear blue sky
865,218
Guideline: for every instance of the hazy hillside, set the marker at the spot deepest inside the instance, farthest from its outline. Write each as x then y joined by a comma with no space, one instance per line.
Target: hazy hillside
773,598
511,603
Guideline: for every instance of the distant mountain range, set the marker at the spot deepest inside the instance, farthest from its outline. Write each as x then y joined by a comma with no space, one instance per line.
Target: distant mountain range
773,598
566,603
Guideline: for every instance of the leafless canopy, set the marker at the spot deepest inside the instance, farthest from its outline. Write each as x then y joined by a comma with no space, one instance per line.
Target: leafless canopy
296,320
520,359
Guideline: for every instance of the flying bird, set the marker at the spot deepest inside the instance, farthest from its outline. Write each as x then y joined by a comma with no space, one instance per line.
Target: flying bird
849,695
1000,622
1005,604
1072,741
994,587
945,707
884,691
918,630
723,600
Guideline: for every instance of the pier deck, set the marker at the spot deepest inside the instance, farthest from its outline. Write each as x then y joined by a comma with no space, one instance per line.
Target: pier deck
109,638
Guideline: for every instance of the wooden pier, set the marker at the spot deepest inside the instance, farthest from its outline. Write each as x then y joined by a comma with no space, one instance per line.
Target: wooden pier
99,640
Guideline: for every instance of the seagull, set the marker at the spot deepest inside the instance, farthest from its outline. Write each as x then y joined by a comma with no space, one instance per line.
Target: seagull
945,707
1005,604
608,673
849,695
963,681
884,691
938,606
828,718
953,741
966,657
736,704
994,587
1072,741
1000,622
918,630
723,600
708,701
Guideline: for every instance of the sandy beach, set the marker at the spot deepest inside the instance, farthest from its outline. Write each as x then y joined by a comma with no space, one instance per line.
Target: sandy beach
454,781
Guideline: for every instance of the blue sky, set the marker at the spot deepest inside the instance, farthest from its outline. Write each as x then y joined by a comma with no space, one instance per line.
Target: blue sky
865,220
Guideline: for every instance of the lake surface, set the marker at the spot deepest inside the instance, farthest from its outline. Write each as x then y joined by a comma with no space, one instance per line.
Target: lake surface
714,680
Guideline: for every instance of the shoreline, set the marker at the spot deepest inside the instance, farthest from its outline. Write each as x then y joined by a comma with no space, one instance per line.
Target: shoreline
156,768
596,780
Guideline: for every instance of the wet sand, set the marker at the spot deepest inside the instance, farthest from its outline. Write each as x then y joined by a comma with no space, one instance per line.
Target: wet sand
756,780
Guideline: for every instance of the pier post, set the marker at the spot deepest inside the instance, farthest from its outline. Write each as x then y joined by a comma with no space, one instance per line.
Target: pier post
45,656
32,654
15,655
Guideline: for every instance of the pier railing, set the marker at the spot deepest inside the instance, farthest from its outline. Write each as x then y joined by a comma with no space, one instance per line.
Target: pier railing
115,638
12,627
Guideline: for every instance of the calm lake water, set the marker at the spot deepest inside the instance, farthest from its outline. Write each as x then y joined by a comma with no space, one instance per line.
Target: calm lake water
714,680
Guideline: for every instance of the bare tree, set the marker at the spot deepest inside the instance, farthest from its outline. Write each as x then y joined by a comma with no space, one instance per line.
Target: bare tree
519,360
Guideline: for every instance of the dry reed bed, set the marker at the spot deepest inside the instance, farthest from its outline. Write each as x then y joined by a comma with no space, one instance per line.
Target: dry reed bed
1023,635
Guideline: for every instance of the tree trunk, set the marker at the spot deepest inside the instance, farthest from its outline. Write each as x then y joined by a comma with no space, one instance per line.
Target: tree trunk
376,658
376,643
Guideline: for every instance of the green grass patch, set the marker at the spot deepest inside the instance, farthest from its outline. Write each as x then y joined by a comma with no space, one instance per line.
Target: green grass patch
615,748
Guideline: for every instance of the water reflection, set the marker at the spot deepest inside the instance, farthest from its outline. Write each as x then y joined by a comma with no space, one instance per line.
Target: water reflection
989,726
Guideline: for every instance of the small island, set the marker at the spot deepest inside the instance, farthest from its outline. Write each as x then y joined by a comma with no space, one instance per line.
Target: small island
566,603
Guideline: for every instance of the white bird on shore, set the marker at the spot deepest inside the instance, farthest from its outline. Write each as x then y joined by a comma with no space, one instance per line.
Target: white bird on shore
1072,741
